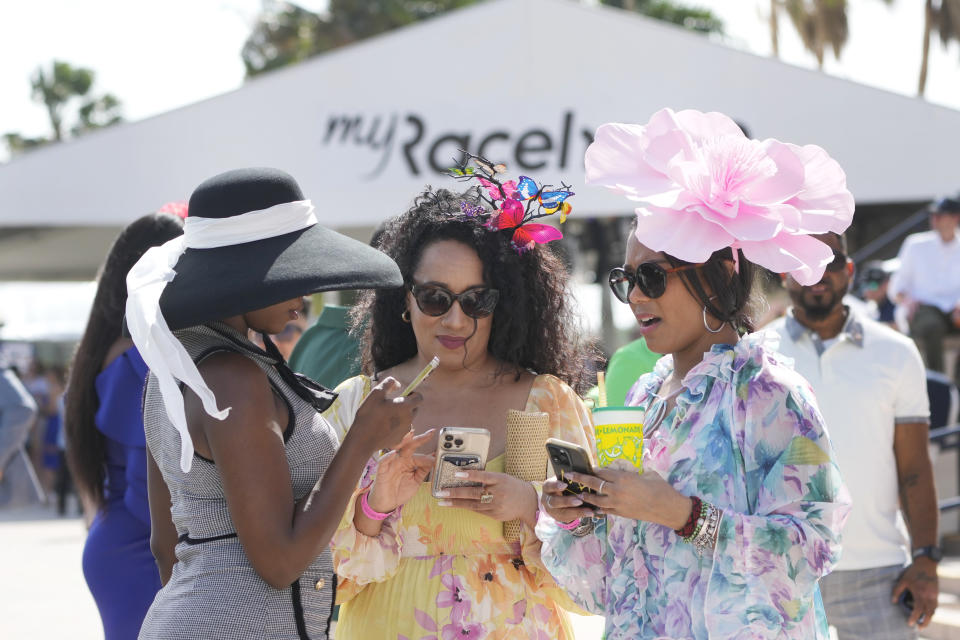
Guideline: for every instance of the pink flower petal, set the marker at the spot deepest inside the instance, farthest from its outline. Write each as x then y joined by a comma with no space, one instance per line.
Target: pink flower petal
750,224
802,256
824,196
615,160
686,236
707,125
786,183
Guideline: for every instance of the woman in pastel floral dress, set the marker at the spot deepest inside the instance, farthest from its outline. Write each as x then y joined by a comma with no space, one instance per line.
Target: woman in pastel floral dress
429,568
739,508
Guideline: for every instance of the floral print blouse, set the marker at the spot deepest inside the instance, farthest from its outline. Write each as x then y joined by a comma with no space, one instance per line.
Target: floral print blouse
745,435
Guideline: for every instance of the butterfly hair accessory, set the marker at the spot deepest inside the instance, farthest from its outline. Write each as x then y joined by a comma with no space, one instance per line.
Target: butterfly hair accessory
515,204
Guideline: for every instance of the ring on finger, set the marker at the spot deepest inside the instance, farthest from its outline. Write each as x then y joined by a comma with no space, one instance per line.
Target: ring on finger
486,498
600,489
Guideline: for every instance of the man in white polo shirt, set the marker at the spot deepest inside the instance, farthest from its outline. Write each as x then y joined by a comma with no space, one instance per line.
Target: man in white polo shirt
928,282
870,384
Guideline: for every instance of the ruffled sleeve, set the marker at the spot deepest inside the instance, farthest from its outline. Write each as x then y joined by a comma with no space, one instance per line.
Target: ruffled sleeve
772,550
357,558
559,562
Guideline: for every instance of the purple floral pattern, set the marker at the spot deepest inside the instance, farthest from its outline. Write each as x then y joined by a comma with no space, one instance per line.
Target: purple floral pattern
437,573
746,435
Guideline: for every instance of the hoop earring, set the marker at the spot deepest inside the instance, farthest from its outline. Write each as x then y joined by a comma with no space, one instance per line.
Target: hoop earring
405,316
707,326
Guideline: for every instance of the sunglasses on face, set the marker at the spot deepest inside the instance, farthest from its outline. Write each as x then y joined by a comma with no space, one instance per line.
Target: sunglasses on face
434,300
649,276
839,262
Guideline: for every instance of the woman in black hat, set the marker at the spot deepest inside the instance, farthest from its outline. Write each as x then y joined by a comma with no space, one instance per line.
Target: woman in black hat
239,454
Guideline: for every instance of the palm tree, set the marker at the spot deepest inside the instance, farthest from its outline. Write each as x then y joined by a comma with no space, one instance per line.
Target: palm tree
820,24
946,20
61,88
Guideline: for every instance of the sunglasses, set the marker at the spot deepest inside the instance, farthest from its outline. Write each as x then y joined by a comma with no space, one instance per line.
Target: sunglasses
839,262
434,300
649,276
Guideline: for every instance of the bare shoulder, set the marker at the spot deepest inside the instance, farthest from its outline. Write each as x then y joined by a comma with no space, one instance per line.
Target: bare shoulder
235,379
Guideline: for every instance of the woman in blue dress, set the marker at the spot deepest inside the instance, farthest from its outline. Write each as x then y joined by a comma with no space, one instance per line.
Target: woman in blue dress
105,441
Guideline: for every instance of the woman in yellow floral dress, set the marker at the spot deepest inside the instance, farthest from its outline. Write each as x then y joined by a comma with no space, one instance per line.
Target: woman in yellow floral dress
413,566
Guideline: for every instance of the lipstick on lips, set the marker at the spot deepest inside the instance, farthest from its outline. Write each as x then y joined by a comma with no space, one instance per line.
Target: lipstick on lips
451,342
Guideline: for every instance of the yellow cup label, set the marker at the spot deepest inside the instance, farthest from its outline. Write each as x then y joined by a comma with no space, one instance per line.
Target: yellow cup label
618,441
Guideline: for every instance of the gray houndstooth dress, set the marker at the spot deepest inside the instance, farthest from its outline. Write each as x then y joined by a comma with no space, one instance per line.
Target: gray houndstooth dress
214,591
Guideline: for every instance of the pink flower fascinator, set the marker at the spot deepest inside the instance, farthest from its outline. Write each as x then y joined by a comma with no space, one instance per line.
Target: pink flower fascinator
702,186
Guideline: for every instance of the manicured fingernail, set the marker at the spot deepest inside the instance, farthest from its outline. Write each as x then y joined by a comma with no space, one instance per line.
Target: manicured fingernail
461,474
444,503
563,485
577,502
442,494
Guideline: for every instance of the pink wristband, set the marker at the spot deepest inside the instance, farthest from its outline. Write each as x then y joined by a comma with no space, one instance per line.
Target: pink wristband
569,526
369,511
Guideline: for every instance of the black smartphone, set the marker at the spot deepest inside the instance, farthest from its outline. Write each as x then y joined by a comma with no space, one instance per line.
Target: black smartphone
906,604
566,456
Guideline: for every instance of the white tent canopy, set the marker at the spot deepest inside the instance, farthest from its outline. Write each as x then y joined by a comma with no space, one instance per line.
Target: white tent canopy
364,128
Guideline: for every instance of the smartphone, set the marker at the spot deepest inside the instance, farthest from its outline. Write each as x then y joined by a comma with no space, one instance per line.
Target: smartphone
566,456
906,604
459,449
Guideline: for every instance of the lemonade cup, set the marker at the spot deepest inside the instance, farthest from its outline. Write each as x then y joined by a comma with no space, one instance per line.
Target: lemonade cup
619,432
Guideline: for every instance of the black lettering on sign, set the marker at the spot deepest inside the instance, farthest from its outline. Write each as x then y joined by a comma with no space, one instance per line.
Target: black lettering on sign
345,125
454,143
408,146
385,143
495,135
532,150
530,143
565,138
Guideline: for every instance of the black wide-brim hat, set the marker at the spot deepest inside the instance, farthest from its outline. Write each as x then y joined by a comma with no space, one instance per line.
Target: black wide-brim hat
213,284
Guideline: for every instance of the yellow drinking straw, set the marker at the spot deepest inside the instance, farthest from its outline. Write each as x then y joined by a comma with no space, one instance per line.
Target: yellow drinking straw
427,370
602,388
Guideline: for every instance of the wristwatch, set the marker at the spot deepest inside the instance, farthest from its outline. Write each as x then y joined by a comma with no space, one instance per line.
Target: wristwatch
933,552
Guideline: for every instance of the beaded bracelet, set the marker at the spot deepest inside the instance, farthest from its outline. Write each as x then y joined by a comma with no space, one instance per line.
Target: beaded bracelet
706,539
370,512
689,529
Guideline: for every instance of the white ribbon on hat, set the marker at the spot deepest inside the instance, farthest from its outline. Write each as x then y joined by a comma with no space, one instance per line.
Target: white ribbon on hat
161,351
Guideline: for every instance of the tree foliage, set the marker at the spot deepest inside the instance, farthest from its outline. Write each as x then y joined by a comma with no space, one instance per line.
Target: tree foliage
820,24
944,19
693,18
65,91
286,33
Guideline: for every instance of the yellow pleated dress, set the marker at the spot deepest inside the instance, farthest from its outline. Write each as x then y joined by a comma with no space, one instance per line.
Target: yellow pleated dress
442,573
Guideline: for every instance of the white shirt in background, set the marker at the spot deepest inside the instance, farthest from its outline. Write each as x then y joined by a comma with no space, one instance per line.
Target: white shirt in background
867,380
929,270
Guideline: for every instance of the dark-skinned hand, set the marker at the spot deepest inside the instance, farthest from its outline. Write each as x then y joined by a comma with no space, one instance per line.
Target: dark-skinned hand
921,579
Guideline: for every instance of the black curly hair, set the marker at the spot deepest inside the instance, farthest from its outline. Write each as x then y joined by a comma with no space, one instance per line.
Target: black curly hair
534,327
